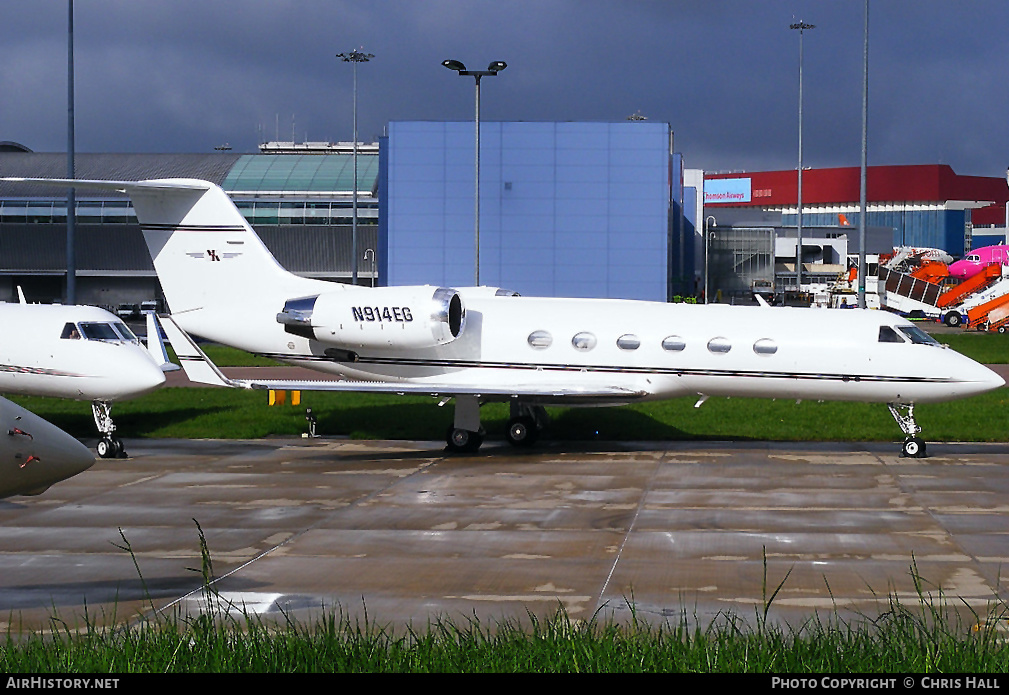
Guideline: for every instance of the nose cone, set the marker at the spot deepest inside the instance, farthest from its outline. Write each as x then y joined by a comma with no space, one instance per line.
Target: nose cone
137,374
961,269
994,381
977,378
34,453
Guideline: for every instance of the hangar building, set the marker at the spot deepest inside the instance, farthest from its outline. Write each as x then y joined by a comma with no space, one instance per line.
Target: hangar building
925,205
567,209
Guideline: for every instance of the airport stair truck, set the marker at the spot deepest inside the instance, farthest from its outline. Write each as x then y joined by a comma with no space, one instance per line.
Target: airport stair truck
955,303
992,315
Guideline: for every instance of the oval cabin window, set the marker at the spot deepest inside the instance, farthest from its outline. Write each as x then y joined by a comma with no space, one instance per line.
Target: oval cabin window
673,343
540,339
584,341
765,346
628,342
719,345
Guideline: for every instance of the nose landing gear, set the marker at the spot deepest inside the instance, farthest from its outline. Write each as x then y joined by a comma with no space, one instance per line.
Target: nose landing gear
109,446
914,446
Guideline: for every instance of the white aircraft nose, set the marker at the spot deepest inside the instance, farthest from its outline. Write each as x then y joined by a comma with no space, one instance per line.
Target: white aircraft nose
985,379
140,374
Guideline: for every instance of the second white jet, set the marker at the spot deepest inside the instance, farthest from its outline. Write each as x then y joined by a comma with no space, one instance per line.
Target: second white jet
78,352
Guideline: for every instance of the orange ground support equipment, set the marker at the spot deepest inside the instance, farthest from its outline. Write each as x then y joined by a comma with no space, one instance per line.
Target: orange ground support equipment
997,309
958,293
932,271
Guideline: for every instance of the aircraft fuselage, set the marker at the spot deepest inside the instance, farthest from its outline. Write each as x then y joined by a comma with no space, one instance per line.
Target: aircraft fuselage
651,349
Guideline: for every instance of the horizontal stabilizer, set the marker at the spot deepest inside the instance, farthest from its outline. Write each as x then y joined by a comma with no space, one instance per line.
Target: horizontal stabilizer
121,186
194,361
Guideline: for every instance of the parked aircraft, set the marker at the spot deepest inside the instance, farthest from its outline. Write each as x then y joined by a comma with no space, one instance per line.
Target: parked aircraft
78,352
483,344
976,261
34,453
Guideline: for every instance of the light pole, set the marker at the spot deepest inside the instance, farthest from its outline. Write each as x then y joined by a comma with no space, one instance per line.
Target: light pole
354,57
71,172
862,173
801,26
708,221
493,69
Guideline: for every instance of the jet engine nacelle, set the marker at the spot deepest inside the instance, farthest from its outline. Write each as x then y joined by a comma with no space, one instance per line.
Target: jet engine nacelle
402,317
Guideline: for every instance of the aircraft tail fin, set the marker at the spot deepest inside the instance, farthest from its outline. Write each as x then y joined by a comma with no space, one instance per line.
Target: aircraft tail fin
209,260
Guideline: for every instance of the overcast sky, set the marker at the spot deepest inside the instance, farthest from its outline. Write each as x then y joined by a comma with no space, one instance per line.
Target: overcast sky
189,75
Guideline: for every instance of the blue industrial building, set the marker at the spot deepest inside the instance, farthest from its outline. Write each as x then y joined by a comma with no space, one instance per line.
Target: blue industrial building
566,209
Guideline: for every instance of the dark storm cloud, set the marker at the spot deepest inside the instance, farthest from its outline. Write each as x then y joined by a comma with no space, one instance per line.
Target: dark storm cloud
187,75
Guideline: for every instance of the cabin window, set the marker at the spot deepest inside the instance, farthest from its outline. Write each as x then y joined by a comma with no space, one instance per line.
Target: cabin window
540,339
70,332
918,336
888,335
673,343
94,330
584,341
719,345
628,342
765,346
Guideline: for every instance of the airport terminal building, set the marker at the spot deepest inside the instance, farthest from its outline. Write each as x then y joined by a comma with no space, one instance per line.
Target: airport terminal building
300,202
924,205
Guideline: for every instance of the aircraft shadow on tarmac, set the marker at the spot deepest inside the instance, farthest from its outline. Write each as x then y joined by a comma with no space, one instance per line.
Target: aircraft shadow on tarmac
423,421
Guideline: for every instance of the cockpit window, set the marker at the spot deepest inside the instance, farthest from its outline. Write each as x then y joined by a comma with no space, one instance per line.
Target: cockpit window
974,257
918,336
888,335
70,332
94,330
124,331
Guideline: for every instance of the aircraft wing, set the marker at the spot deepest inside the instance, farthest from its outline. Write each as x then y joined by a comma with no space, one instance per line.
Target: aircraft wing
200,369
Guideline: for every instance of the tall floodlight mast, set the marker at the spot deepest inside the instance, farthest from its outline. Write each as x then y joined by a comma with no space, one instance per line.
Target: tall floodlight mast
493,69
801,26
354,57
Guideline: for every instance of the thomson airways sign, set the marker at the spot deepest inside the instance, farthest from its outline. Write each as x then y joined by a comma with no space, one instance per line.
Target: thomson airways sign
727,191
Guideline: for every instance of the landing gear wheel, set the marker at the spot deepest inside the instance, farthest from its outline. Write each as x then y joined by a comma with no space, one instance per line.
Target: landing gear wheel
914,447
463,441
111,447
106,448
522,431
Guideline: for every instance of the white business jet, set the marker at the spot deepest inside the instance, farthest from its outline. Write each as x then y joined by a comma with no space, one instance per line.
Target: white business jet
483,344
35,453
78,352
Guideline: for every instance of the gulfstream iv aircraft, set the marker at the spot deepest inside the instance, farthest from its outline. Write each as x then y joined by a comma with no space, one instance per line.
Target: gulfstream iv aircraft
35,453
79,352
481,344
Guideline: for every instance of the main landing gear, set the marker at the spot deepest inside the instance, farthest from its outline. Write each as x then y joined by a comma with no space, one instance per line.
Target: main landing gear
109,446
466,435
903,413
